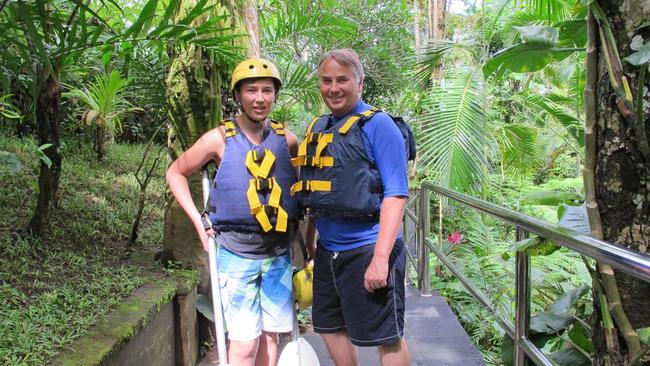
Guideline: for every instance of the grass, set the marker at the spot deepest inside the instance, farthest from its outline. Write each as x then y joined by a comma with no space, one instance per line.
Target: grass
55,287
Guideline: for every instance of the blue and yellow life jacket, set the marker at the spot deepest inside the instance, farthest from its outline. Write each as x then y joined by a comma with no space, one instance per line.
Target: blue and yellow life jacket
337,178
251,190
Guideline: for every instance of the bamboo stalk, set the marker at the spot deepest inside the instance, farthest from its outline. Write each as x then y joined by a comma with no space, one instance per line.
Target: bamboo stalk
605,271
618,80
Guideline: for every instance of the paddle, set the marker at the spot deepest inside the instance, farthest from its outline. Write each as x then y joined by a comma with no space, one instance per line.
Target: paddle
214,275
298,351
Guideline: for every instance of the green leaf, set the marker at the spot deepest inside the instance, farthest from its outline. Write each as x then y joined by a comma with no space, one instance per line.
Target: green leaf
535,246
644,335
581,337
565,302
640,57
508,346
169,11
637,42
523,57
574,218
550,323
204,306
643,25
549,198
9,164
146,15
106,55
573,33
539,35
570,356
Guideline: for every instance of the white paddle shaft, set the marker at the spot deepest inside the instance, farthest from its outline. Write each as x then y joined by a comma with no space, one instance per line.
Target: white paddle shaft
215,285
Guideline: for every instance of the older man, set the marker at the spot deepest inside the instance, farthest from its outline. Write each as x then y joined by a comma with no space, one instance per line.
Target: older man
353,181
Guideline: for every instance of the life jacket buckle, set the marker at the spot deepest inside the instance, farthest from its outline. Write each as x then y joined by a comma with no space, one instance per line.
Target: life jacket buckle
263,184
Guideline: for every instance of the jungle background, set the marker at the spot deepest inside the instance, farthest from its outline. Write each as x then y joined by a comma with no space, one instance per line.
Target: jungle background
536,105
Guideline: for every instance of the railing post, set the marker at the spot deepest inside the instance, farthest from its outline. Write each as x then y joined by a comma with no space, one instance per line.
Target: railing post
423,257
522,302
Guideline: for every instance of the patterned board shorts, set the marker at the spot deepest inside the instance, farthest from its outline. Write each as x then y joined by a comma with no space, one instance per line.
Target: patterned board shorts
256,294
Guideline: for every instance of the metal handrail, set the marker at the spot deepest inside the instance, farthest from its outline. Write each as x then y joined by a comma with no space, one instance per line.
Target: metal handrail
631,262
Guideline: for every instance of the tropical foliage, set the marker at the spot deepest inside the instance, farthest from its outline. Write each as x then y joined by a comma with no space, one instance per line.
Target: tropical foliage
496,104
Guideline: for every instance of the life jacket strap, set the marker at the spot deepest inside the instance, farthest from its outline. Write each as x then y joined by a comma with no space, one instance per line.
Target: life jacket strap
230,128
261,183
277,127
352,120
262,170
311,185
316,160
312,161
311,124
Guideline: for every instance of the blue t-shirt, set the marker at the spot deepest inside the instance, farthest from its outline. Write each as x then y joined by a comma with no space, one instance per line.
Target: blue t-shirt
385,145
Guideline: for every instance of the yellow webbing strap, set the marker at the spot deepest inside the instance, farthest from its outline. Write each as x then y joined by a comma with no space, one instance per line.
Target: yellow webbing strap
230,128
262,170
311,125
257,209
277,127
352,120
323,140
323,161
302,148
311,185
282,220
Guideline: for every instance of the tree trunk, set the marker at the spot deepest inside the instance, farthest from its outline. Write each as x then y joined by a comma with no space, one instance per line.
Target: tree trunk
48,120
252,27
439,19
416,26
622,181
194,102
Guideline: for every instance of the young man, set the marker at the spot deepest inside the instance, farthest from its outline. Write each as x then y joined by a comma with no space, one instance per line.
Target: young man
353,180
253,213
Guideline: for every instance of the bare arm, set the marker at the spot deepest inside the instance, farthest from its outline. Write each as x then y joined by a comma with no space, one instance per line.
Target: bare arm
210,146
292,142
390,219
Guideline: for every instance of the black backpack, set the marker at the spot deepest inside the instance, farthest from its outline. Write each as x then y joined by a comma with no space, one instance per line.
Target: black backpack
404,128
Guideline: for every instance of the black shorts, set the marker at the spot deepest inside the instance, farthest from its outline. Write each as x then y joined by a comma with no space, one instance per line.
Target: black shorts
342,302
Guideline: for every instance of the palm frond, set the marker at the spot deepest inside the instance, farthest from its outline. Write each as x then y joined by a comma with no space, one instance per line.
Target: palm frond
435,53
519,149
550,10
541,107
289,23
455,140
299,84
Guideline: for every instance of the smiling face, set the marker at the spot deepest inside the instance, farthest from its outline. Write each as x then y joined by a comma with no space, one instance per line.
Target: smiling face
338,87
256,97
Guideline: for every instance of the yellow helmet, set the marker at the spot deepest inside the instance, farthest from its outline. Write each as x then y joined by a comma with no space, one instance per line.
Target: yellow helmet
303,282
255,68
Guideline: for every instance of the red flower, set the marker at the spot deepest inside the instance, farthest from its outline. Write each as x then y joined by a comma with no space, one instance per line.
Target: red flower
455,238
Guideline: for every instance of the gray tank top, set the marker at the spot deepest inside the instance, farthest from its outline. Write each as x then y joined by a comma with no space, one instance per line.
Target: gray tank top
256,245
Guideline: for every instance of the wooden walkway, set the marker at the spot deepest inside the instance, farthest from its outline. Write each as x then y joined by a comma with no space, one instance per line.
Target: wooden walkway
434,336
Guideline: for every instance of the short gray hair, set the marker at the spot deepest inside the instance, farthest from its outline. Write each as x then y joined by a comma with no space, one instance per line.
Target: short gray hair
346,57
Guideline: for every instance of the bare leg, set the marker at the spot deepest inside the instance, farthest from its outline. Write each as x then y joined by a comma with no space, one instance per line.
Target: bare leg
395,354
267,352
343,352
242,352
